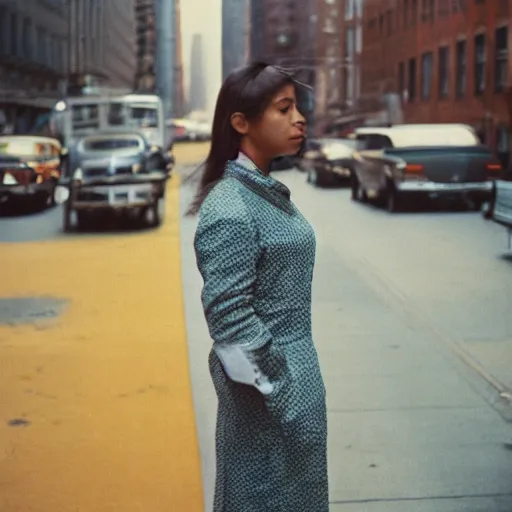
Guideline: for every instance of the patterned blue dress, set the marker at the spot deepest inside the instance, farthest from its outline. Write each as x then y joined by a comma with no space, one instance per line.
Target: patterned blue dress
256,254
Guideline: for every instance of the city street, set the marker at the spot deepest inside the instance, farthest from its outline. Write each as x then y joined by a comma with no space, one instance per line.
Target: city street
96,411
98,388
412,322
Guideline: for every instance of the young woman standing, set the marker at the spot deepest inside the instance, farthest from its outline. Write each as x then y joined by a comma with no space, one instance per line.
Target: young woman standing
256,253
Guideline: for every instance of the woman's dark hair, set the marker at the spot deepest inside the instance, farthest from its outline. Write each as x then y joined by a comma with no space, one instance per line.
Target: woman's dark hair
248,90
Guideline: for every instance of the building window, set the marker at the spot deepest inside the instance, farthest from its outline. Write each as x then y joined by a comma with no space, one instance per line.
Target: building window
501,59
427,60
389,20
412,79
479,63
14,34
414,12
428,8
444,71
26,39
3,31
460,68
401,78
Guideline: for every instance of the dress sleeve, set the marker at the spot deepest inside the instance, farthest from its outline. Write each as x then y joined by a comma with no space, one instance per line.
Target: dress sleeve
227,252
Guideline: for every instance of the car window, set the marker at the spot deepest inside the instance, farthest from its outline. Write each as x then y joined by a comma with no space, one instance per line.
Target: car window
373,141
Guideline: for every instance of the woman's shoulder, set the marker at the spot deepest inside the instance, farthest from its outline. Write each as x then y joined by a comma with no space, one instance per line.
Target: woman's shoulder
226,198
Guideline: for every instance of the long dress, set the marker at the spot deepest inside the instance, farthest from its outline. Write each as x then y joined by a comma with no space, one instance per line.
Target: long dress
256,253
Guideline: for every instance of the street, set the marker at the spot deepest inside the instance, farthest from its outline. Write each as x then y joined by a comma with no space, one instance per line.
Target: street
95,404
104,360
411,320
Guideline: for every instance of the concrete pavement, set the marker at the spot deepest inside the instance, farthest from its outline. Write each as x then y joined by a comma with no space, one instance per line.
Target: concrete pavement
411,426
96,409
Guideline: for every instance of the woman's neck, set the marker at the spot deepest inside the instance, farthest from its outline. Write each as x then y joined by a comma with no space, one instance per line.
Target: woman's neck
260,161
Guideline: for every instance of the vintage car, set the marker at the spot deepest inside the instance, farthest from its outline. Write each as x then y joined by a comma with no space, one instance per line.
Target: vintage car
328,162
118,173
499,208
399,163
41,157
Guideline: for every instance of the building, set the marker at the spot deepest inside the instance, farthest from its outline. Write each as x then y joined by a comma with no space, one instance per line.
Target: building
329,63
284,33
33,60
179,108
257,33
49,48
235,35
102,43
197,96
146,63
448,61
145,75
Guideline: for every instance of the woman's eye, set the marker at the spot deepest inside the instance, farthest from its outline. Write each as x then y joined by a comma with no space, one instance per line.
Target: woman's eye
285,110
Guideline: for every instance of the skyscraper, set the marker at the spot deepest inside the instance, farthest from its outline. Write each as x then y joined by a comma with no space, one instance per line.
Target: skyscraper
197,98
235,34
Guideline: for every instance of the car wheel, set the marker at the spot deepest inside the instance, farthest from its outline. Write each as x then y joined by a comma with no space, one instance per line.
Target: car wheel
153,215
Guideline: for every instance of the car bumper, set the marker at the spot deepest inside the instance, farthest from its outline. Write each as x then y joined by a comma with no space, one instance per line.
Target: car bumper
115,197
430,187
341,171
8,192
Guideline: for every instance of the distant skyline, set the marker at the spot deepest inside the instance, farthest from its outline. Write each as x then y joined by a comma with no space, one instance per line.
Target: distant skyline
203,17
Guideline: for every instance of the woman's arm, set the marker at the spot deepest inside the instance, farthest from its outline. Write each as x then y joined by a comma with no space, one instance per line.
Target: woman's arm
227,251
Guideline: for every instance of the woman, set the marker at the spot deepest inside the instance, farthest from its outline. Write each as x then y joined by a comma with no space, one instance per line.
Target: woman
256,253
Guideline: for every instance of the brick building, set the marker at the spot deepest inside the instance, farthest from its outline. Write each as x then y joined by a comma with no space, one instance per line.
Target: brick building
448,60
283,32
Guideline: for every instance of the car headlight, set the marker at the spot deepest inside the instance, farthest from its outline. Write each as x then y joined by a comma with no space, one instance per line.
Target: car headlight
136,168
78,175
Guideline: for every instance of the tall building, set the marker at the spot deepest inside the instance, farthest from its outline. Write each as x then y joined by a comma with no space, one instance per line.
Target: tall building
145,76
179,91
102,42
235,40
448,63
197,97
33,59
284,33
52,47
146,66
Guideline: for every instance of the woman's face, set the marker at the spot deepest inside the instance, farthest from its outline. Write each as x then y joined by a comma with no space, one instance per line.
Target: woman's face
281,128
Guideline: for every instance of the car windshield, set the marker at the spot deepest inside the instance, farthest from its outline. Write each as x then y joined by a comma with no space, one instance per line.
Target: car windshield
110,144
145,117
24,147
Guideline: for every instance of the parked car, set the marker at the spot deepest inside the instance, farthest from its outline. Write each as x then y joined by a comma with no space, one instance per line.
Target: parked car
20,182
499,208
112,172
39,158
405,161
329,162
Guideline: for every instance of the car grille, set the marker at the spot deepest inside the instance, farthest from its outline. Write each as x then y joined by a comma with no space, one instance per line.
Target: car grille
105,171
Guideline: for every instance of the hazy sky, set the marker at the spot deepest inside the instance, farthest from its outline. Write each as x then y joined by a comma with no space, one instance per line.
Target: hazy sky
203,17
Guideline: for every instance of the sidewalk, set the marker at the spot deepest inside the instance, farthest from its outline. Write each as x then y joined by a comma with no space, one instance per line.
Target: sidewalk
409,429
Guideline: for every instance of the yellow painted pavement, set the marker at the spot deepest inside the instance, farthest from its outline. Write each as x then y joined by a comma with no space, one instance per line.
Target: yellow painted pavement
105,387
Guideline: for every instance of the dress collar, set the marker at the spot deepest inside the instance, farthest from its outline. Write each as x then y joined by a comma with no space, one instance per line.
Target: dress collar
247,169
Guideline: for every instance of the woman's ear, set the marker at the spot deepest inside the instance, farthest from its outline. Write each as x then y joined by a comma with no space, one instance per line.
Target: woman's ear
240,123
